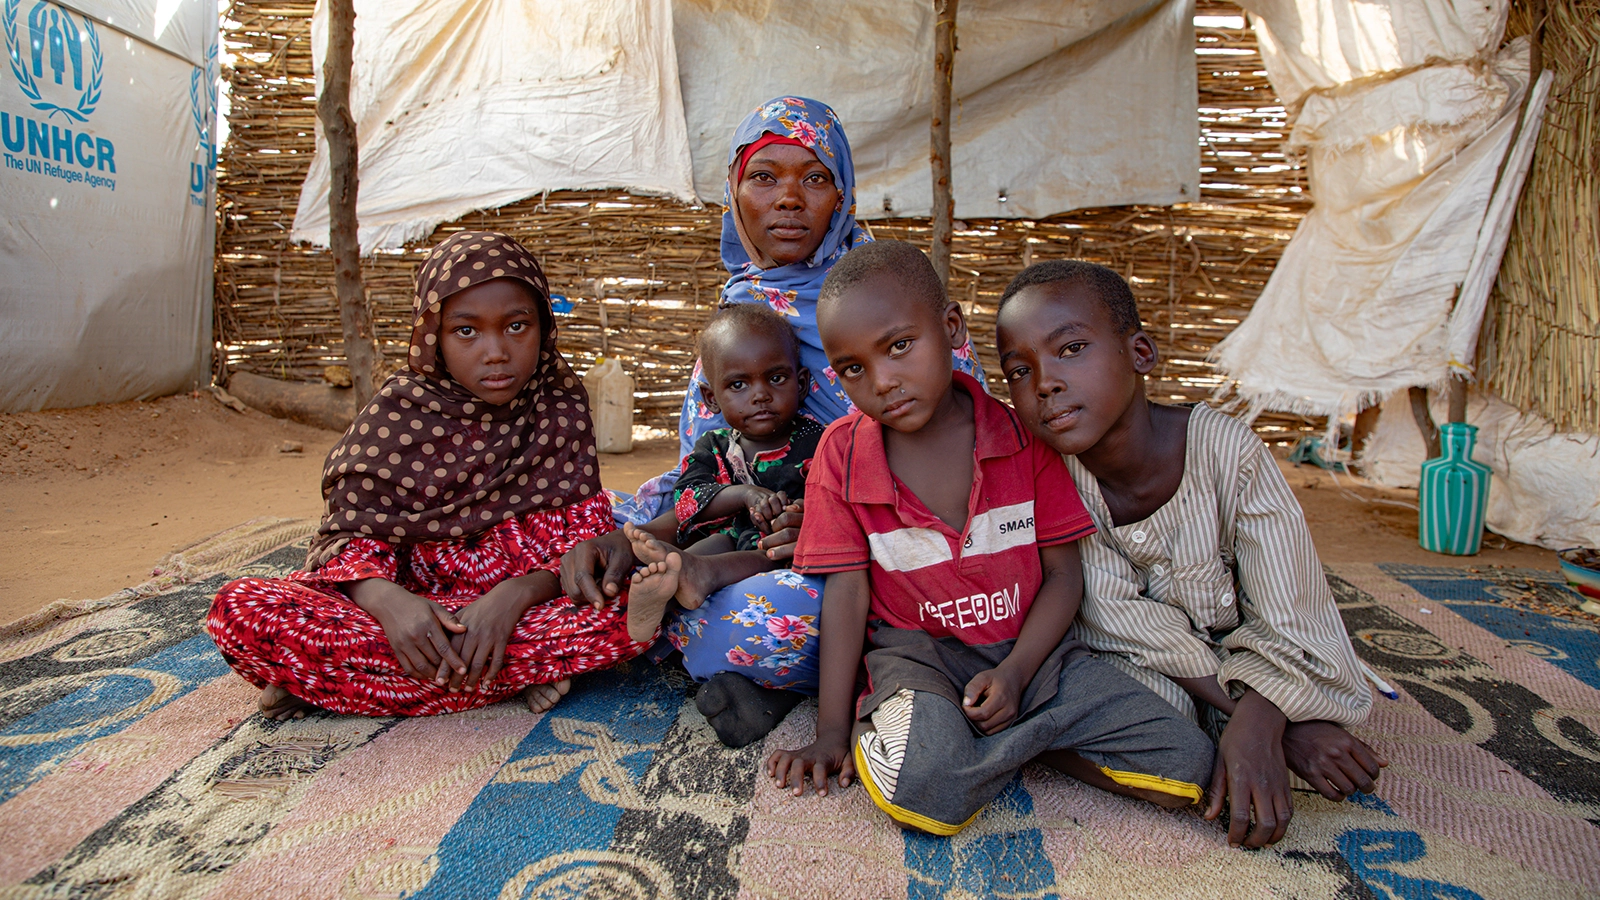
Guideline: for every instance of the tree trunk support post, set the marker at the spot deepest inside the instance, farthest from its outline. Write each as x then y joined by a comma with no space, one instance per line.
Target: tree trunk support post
944,204
1420,412
339,128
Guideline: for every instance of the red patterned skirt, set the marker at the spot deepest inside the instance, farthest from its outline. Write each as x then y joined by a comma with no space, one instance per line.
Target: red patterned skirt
303,634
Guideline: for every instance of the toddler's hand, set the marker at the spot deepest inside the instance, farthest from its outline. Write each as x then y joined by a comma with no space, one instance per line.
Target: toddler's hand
819,759
763,506
992,698
779,545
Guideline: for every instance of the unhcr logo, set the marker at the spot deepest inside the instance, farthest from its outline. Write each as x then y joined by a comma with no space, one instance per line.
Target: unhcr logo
55,58
203,110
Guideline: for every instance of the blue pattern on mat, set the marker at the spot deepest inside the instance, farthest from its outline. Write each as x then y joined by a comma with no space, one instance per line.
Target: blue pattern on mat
1566,645
562,791
1370,851
35,744
1372,801
982,863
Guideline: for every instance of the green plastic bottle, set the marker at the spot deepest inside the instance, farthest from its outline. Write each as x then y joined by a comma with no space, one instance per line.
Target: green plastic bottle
1454,494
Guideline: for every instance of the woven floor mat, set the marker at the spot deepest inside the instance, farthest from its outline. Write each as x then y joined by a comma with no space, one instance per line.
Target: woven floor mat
133,764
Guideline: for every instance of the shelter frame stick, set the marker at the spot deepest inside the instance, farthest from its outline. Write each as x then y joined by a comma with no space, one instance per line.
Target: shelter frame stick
944,204
339,127
1430,431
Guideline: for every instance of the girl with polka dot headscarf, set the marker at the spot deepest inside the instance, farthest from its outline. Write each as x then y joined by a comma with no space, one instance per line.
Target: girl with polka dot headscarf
433,584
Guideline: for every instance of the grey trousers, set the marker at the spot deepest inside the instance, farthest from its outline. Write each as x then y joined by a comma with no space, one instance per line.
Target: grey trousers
927,767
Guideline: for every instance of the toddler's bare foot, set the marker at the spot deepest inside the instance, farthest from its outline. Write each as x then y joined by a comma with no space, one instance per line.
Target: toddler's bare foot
279,704
653,586
541,697
696,580
647,548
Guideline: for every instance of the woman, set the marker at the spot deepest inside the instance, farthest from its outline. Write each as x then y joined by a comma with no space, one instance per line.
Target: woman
791,215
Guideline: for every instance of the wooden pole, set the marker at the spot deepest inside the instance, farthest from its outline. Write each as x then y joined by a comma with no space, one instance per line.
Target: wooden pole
1419,411
944,204
339,127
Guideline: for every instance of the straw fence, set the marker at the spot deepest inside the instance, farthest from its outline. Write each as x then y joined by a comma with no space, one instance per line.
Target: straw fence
644,273
1541,333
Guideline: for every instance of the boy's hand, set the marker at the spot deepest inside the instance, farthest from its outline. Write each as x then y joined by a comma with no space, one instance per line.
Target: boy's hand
1330,759
611,551
992,698
763,506
819,759
785,532
419,632
1251,776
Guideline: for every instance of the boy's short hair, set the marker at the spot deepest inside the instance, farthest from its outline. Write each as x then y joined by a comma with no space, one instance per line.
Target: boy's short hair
746,318
905,262
1104,283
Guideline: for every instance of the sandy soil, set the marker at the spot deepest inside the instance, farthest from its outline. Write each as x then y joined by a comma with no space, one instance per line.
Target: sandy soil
94,497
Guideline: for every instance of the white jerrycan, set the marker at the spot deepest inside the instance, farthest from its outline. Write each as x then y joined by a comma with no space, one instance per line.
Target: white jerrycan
610,406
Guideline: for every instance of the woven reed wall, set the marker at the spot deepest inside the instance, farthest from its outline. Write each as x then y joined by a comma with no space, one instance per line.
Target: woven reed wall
1196,268
1540,344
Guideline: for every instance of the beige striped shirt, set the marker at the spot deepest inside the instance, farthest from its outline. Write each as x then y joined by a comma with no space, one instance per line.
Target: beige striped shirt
1223,580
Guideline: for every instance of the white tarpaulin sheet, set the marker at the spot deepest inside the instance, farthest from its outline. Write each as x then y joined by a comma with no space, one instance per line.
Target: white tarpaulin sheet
1546,484
186,28
1406,110
463,106
1060,104
472,105
107,206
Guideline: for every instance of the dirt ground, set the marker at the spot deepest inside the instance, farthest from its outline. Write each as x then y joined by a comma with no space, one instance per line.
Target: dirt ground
94,497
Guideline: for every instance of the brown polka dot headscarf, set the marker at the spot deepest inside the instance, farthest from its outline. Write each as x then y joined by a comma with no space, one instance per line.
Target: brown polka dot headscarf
427,460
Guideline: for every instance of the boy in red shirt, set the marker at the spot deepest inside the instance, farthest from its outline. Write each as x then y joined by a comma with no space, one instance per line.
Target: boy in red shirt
921,511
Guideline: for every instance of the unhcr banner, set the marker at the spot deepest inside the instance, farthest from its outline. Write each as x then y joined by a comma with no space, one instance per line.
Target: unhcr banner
107,199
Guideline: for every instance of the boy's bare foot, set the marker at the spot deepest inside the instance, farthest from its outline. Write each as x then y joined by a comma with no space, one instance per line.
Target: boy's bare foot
541,697
653,586
740,711
647,548
279,704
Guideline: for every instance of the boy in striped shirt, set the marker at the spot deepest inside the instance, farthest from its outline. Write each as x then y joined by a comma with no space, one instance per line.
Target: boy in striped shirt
921,510
1201,580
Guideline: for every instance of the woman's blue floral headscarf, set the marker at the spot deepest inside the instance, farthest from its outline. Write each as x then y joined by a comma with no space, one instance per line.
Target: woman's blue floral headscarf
816,127
791,290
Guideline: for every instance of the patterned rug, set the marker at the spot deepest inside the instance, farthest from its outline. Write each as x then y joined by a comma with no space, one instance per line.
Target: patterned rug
132,764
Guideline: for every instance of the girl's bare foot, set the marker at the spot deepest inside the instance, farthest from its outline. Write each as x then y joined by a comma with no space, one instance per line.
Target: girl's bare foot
279,704
541,697
646,547
652,587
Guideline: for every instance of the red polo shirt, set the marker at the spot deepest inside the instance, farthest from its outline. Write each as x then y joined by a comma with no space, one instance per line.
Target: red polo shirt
976,585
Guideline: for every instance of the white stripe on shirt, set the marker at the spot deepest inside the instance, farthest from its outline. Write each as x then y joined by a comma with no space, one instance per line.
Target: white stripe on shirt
907,549
1000,529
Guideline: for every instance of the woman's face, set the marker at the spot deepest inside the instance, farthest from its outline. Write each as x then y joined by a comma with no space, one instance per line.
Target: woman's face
786,199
